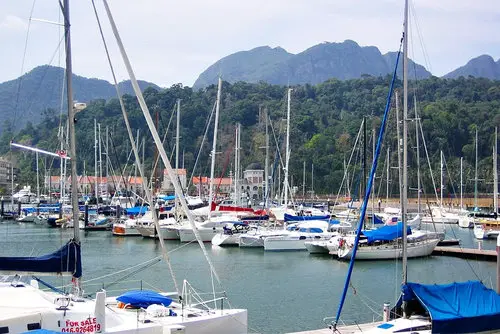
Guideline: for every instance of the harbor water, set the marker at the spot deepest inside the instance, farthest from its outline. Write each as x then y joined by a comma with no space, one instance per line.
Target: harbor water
283,291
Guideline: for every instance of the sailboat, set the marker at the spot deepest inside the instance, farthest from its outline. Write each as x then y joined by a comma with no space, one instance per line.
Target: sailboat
24,306
489,227
467,307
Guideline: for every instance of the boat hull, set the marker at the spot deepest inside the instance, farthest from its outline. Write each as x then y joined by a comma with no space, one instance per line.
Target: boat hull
251,241
317,247
222,239
389,251
291,243
206,234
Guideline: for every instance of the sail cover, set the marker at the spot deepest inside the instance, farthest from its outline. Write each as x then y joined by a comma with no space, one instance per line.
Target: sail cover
466,307
143,298
67,259
386,233
292,218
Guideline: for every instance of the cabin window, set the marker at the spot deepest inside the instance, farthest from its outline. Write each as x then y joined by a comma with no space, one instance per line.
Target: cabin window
33,326
4,330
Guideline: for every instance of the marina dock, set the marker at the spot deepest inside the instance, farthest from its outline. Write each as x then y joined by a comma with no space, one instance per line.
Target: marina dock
466,253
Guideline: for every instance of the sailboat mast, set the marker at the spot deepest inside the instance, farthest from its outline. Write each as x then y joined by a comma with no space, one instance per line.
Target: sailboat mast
37,180
387,172
417,143
177,137
495,172
287,156
304,181
475,178
237,198
266,167
71,122
442,180
405,139
100,159
214,148
398,147
95,163
177,134
374,176
461,183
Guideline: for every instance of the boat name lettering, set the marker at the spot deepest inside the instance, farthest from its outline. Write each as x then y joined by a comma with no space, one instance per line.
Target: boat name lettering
85,326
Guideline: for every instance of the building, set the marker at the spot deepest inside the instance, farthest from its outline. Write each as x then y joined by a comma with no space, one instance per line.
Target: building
222,186
86,184
252,183
167,186
6,173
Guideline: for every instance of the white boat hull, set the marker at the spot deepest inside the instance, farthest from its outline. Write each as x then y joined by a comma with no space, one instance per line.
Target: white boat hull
124,230
29,305
466,222
251,240
389,251
221,239
317,247
206,234
291,242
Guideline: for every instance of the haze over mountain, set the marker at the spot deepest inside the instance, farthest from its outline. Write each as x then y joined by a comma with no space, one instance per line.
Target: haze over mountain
483,66
24,99
346,60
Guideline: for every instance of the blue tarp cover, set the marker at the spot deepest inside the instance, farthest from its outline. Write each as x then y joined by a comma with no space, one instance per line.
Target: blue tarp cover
386,233
136,210
167,198
65,260
466,307
377,220
143,298
291,218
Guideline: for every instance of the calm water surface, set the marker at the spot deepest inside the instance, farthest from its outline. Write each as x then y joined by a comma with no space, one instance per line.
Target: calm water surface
283,291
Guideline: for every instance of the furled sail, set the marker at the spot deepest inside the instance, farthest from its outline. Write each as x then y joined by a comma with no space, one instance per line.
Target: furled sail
66,260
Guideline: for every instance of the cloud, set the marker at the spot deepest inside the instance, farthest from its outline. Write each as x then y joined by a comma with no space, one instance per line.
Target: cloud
12,22
174,41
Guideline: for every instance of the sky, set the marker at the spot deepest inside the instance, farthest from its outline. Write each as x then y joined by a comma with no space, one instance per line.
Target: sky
171,42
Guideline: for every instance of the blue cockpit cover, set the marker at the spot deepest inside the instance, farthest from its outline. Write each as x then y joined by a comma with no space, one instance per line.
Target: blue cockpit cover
291,218
143,298
386,233
137,210
466,307
67,259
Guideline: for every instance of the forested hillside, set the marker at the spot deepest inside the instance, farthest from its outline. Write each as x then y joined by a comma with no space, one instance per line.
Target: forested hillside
325,120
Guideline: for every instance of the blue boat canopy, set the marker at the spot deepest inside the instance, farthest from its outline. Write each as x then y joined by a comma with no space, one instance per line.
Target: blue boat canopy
386,233
466,307
143,298
167,198
67,259
136,210
292,218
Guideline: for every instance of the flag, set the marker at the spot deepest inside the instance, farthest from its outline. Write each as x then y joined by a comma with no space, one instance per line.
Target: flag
62,153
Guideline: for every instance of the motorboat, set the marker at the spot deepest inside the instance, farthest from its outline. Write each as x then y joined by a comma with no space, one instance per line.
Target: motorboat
230,235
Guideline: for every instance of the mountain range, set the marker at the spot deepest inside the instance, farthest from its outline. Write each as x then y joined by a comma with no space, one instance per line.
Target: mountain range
23,100
346,60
